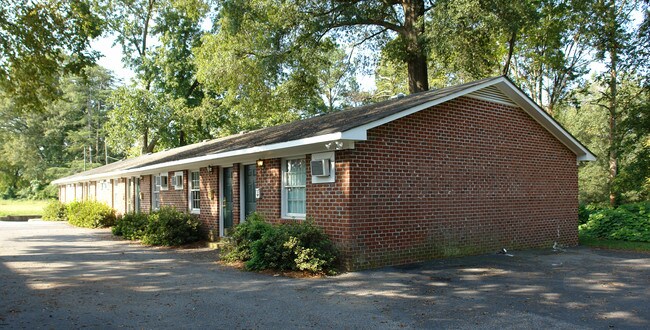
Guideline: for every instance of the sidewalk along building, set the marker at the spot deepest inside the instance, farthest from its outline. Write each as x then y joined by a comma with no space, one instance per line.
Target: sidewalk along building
461,170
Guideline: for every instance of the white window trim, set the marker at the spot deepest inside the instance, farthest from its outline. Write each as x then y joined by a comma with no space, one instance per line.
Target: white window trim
190,190
283,198
166,176
153,193
175,180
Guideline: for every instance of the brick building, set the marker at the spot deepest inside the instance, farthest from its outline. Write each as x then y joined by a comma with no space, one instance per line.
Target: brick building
455,171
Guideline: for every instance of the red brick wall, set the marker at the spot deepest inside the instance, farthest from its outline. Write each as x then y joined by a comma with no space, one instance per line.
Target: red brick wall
269,182
145,190
174,197
209,181
330,204
465,177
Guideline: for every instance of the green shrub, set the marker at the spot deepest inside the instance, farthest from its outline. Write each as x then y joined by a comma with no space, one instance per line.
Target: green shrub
90,214
170,227
292,246
238,245
55,211
131,226
630,222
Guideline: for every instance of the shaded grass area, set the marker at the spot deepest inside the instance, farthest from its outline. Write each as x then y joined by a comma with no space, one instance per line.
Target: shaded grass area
21,207
614,244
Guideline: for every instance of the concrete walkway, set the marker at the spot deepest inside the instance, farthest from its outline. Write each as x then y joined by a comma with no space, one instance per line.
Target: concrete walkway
56,276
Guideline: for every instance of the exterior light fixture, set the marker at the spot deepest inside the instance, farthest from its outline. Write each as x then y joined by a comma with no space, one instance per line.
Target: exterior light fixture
260,162
210,168
211,194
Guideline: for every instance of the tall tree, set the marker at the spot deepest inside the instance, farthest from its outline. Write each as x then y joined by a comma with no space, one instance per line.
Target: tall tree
38,39
614,38
553,54
157,38
37,146
307,23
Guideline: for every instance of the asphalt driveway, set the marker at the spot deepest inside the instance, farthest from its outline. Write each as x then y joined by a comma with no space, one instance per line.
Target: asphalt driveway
56,276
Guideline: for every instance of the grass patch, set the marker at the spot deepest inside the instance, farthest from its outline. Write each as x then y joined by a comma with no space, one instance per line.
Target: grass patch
22,207
614,244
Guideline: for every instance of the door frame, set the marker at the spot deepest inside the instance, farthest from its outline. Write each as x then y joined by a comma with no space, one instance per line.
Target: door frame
242,190
221,178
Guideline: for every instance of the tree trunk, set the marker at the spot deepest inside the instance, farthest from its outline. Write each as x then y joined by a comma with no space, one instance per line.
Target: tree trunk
181,138
613,105
145,142
413,33
511,51
613,138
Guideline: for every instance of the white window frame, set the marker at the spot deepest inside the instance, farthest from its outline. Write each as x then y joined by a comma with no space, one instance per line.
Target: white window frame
177,180
166,181
191,189
284,197
155,191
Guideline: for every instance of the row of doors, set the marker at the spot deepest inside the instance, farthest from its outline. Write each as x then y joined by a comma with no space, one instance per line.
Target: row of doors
250,200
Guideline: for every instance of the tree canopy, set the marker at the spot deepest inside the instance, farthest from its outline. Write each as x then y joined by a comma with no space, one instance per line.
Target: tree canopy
209,68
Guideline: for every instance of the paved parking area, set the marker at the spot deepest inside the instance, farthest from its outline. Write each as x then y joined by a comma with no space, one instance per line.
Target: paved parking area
56,276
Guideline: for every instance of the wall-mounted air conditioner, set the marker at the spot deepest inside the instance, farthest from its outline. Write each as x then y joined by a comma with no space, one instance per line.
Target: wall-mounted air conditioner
320,167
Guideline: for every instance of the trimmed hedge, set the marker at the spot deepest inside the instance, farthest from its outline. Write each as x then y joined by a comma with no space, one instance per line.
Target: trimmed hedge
131,226
170,227
166,227
629,222
55,211
90,214
290,246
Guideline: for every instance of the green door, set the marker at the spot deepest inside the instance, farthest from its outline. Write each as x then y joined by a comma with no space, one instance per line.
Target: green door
226,205
250,202
137,195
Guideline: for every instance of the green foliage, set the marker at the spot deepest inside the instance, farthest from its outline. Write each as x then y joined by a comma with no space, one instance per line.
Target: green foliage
170,227
39,146
614,244
238,245
55,211
162,109
90,214
292,246
629,222
131,226
39,40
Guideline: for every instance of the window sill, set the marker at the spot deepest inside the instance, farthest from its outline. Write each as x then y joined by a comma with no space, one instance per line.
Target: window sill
195,211
294,217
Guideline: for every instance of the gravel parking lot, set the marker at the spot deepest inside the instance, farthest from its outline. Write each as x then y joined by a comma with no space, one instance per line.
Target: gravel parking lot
53,275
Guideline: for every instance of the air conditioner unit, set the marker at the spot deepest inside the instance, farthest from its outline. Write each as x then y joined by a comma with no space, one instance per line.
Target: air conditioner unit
320,167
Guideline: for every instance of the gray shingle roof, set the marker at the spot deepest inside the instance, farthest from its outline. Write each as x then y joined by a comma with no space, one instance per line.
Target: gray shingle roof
320,125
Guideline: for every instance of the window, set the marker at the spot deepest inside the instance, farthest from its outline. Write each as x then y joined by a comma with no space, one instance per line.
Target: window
195,192
294,191
177,181
155,193
163,181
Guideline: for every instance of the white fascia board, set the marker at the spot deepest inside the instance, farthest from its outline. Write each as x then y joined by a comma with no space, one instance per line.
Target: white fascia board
357,131
511,91
545,120
188,162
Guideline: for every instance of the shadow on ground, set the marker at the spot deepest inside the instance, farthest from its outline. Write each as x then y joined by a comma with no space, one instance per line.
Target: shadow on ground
55,275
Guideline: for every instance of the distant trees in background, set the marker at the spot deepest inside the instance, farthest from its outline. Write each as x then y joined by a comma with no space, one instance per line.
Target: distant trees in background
209,68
